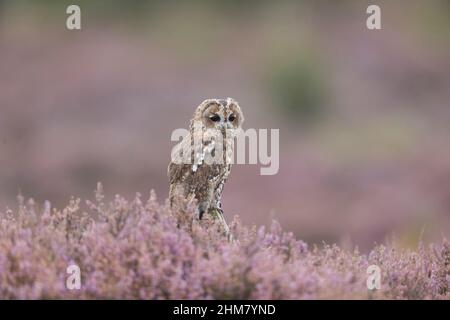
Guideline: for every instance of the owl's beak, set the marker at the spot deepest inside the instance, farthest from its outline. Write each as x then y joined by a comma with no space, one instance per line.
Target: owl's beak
223,129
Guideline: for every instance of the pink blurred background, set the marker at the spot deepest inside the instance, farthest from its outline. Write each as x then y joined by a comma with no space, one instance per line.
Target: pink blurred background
364,116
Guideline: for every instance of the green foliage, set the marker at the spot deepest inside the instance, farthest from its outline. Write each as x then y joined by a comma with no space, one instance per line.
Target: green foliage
299,90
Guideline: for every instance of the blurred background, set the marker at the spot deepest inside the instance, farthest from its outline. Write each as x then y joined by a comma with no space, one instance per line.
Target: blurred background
364,116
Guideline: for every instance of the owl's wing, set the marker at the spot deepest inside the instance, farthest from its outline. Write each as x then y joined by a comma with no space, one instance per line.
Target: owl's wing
177,172
219,188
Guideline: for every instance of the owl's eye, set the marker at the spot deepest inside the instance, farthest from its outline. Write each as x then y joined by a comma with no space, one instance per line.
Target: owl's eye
215,118
231,117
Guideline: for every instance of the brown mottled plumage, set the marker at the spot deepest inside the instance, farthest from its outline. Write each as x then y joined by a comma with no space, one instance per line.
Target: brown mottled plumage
210,138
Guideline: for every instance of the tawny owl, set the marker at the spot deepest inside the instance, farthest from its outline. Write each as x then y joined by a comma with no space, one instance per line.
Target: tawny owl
201,162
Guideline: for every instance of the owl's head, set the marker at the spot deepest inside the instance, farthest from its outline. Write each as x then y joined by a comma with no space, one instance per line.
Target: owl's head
220,114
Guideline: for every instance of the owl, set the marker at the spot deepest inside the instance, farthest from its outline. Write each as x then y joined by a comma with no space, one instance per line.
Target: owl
201,162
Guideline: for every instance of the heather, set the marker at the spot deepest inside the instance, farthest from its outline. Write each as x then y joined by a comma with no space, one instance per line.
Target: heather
142,249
